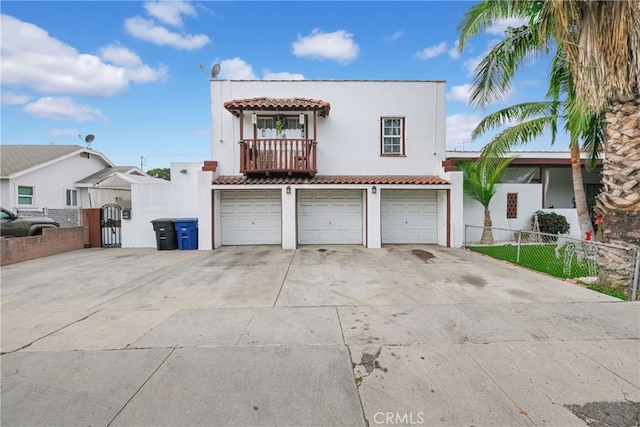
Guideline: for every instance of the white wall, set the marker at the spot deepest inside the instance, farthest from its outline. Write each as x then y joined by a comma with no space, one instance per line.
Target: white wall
175,199
529,201
349,137
50,183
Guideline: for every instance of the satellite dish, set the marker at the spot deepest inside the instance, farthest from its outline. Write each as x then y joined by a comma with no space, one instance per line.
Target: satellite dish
215,70
88,139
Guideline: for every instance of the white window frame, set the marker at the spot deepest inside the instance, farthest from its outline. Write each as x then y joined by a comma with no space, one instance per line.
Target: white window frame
31,196
391,140
74,201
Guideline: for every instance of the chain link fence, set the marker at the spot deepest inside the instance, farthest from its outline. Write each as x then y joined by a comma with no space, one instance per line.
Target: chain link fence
561,256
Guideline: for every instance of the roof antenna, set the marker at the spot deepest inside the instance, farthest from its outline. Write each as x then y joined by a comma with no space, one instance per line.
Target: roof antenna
88,139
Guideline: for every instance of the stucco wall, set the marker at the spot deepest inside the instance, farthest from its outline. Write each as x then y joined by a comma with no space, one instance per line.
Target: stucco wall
349,137
529,201
177,198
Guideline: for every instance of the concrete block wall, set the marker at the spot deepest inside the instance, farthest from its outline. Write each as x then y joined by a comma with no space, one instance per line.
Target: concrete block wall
52,241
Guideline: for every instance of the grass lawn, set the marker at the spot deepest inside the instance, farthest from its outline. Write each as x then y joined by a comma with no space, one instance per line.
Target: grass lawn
543,258
537,257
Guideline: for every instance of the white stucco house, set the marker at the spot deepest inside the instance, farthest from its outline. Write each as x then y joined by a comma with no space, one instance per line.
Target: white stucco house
535,180
315,162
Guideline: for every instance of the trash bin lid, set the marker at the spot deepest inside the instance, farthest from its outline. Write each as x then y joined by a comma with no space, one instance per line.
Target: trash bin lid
162,220
185,220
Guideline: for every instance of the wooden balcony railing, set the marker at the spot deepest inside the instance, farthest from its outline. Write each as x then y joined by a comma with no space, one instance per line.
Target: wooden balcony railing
267,156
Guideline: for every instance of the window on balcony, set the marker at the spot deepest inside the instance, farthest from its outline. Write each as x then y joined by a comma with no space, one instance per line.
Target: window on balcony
392,136
267,128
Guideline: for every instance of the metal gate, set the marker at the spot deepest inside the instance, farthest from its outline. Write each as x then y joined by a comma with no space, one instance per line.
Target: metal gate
110,224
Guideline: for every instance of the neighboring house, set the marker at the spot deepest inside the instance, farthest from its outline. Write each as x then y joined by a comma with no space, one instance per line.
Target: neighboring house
318,162
113,185
57,180
535,180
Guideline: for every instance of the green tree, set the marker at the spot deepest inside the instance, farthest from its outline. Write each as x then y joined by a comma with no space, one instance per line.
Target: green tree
533,118
162,173
479,183
601,41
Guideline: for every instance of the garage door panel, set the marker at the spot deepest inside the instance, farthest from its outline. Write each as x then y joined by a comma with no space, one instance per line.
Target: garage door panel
330,217
409,216
251,217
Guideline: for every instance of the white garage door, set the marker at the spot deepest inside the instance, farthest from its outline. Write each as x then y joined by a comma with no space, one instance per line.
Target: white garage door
329,217
250,217
409,216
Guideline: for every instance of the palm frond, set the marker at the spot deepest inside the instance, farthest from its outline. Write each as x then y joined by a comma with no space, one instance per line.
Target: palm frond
494,74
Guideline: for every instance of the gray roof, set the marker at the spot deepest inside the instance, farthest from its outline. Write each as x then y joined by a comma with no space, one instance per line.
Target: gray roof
16,158
104,173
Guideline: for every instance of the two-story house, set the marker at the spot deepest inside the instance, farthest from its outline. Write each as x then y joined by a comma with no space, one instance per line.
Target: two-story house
328,162
314,162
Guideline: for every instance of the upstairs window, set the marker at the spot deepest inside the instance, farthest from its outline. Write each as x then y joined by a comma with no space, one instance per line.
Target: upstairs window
392,134
25,195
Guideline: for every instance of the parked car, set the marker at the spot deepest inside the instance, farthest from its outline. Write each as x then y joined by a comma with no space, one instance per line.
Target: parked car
12,225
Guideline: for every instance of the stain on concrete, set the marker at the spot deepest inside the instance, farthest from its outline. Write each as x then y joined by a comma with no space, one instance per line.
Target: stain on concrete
423,255
608,414
322,250
473,280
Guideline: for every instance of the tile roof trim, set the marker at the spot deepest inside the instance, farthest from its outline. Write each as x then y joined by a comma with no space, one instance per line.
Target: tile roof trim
264,103
357,180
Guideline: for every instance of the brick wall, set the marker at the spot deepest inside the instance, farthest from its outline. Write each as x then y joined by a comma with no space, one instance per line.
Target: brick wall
53,241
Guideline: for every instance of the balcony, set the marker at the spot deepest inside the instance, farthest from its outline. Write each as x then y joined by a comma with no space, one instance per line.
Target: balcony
278,156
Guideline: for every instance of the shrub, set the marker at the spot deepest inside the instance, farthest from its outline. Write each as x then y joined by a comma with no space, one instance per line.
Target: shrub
551,222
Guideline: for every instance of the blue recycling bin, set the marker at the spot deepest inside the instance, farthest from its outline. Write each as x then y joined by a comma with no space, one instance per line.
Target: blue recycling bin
187,233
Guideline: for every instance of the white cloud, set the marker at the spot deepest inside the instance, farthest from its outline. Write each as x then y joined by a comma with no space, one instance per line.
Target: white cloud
62,108
432,51
236,69
395,36
64,132
135,70
170,12
501,25
459,128
459,93
32,58
11,98
284,75
337,46
146,29
453,52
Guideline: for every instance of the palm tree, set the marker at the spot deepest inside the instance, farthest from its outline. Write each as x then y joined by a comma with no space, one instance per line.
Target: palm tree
480,180
534,117
601,41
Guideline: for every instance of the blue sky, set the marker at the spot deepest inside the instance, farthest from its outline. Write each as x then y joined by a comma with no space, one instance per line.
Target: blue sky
129,71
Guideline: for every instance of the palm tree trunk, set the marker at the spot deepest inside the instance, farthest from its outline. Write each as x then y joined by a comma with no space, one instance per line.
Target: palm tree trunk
584,220
487,234
619,201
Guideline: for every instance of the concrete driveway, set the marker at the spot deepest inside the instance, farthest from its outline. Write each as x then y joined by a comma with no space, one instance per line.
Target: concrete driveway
324,335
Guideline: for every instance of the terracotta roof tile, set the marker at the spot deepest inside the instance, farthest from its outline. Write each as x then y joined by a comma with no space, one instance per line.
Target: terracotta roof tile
278,104
333,179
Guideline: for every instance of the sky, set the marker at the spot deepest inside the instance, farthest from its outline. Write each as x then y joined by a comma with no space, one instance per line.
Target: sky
135,74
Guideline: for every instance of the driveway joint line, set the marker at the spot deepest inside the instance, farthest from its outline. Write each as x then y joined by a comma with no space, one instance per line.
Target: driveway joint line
51,333
284,279
141,386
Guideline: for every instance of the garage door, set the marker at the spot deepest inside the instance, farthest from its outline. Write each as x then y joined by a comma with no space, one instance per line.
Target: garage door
409,216
329,217
251,217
